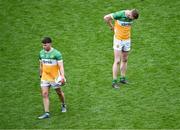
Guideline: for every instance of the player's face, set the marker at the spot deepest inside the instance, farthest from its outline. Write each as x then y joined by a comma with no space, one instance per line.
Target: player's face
47,46
130,16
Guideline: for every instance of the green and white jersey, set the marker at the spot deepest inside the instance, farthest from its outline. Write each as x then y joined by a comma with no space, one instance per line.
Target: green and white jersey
120,16
49,60
122,25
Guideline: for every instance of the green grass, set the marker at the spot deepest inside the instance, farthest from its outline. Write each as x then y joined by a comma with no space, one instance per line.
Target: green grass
150,101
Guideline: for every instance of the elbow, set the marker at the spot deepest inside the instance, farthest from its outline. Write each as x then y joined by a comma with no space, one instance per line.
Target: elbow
105,18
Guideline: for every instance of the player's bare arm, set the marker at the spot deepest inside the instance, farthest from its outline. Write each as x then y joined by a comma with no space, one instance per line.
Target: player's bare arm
40,69
61,68
108,19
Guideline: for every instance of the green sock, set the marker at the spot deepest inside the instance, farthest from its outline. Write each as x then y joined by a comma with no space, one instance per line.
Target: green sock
114,81
122,77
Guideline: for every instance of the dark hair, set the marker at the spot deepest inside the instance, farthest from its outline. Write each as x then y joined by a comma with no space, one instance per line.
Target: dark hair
46,40
135,14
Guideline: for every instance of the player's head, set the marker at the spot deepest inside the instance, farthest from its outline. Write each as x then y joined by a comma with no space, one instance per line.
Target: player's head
47,43
133,14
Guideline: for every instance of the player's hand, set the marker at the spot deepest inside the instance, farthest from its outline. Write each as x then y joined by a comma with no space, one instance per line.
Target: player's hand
112,29
63,81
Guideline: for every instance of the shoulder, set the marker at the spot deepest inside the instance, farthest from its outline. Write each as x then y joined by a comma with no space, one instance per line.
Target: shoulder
41,51
57,54
118,14
56,51
41,54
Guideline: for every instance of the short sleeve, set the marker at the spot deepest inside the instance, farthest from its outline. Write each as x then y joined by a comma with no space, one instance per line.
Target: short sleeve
40,56
59,56
118,15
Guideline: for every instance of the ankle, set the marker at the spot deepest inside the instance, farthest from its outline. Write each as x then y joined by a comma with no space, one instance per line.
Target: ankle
122,77
114,81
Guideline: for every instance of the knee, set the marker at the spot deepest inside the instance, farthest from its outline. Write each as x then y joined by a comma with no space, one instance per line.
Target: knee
59,92
124,60
45,95
117,62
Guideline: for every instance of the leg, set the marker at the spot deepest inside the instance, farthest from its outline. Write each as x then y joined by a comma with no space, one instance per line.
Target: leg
61,98
60,95
123,67
45,95
116,64
115,68
117,45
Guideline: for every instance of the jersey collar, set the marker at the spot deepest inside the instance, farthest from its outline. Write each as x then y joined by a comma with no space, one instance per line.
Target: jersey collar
49,50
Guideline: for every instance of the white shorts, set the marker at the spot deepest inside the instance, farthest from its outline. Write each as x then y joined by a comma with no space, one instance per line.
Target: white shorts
122,45
54,84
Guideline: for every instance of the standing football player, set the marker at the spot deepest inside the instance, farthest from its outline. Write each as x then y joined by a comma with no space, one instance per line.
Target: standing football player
122,42
51,74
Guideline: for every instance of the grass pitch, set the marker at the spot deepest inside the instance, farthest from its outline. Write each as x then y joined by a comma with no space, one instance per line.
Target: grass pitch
150,101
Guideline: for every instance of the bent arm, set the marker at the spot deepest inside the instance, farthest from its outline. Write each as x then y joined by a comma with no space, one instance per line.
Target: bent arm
108,19
61,68
40,68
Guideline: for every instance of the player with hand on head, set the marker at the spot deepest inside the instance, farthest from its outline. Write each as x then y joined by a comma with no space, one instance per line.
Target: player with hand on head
122,42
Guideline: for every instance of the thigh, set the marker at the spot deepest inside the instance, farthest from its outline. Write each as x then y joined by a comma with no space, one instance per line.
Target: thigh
58,90
117,44
45,84
124,55
126,45
117,55
44,91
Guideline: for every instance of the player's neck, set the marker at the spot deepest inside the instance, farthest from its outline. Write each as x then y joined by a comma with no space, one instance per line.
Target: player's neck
49,49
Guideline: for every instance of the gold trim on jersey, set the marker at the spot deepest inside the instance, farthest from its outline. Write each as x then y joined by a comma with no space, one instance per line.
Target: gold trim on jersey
122,32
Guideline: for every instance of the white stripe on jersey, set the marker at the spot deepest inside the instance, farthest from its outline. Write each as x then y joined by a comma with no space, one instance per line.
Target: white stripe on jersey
49,61
122,23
